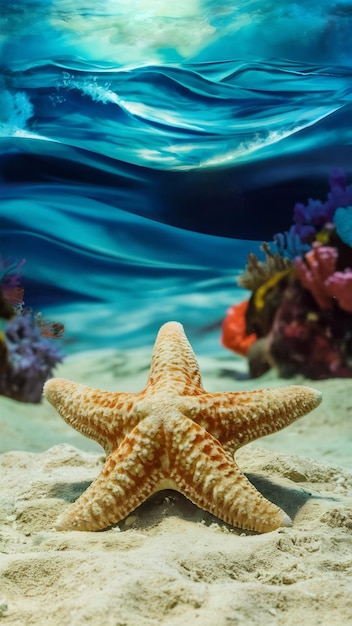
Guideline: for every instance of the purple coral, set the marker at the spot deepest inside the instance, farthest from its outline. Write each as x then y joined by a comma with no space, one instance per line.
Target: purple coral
31,360
312,217
317,213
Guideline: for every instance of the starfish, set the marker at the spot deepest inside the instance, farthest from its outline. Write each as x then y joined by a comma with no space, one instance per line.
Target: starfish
175,435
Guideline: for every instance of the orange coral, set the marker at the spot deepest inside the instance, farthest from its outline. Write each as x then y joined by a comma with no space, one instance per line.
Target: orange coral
234,334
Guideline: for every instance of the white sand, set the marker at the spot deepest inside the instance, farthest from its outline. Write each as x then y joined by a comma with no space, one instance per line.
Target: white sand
170,563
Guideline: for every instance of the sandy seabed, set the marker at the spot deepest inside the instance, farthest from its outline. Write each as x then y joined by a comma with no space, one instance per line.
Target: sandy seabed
170,563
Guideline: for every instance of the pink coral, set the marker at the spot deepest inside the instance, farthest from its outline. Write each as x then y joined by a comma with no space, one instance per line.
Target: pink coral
339,286
317,274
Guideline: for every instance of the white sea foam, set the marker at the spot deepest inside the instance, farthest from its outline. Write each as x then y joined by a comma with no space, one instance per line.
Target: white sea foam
15,110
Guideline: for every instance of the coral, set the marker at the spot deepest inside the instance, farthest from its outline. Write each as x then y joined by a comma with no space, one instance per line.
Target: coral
234,335
264,302
339,286
318,275
27,358
313,273
309,342
309,219
31,360
316,213
343,224
259,272
10,287
291,243
300,308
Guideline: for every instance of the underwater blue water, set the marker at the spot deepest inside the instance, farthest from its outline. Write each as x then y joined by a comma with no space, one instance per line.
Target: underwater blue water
147,147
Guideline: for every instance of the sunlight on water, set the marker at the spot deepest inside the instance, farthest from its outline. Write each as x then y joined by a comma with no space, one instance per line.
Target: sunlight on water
135,32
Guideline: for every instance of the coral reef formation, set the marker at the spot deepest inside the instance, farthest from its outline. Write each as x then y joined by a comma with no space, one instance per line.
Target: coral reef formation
27,356
299,315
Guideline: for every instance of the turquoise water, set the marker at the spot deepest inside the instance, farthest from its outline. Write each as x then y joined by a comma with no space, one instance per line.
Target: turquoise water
146,148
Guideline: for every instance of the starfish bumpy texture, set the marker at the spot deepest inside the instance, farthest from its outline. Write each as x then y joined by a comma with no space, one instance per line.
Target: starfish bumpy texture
175,435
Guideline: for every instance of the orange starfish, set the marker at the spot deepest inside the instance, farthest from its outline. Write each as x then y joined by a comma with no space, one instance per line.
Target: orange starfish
175,435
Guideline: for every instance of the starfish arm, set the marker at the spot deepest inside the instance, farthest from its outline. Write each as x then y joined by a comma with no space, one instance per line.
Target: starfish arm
174,363
100,415
130,475
236,418
208,476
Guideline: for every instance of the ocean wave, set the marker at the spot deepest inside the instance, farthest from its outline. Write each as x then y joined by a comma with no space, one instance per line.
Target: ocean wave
178,118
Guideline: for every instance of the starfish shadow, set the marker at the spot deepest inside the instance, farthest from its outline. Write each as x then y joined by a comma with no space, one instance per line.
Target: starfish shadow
289,498
69,492
233,374
172,504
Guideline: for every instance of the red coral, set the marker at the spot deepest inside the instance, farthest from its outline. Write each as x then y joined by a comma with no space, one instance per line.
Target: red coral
317,274
234,334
